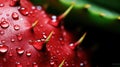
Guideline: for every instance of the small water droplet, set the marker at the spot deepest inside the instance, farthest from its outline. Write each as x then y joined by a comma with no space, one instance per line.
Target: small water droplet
16,27
39,7
66,64
18,64
44,36
19,37
41,25
54,18
3,48
3,41
82,64
61,40
71,44
35,64
20,51
33,7
23,11
28,53
12,40
15,16
1,5
4,24
52,63
4,60
54,21
1,32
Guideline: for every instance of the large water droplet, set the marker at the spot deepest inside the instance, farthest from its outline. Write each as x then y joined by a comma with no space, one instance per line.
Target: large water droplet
16,27
19,37
1,32
23,11
20,51
28,53
18,64
1,5
3,48
15,16
4,24
35,64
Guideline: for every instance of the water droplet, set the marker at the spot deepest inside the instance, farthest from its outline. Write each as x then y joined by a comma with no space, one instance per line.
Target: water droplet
33,7
4,60
52,63
71,44
20,51
1,5
28,53
41,25
35,64
4,24
16,27
15,16
54,18
3,48
61,40
12,40
82,64
66,64
3,41
19,37
39,7
1,32
23,11
44,36
18,64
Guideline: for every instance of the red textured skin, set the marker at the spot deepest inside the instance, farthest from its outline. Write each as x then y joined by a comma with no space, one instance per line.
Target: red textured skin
51,54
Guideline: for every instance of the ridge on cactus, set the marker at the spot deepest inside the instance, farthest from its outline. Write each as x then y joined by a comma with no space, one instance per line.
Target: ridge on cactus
29,37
